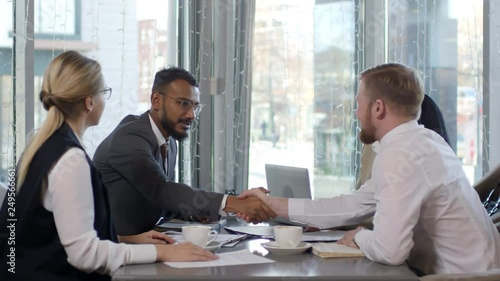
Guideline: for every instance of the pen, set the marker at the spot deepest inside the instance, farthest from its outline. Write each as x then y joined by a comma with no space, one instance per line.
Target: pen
237,240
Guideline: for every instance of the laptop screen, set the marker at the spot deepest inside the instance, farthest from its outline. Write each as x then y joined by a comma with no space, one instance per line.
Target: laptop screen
288,182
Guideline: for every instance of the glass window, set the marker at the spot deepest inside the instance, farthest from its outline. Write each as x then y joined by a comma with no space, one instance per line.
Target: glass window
6,90
304,63
302,92
55,17
122,36
444,41
303,89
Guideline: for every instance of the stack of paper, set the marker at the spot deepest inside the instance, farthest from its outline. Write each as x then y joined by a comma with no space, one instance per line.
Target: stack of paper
323,236
334,250
225,239
243,257
268,232
259,230
178,224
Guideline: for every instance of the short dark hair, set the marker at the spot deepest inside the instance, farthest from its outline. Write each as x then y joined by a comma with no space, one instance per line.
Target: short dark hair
168,75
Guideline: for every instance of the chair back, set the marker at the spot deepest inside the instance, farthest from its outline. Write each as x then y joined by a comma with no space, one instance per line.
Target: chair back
486,184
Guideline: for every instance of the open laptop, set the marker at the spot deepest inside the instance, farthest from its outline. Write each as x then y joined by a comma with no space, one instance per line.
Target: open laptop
288,182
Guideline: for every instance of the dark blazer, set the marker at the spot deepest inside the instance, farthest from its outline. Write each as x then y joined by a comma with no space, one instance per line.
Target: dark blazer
130,163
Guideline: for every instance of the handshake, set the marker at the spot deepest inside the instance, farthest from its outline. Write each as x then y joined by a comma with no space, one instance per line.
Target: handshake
253,205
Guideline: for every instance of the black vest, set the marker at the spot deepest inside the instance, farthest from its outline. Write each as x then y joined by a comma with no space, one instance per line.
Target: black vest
39,254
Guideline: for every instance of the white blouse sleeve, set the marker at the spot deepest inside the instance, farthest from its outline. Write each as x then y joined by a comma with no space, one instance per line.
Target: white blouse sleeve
69,196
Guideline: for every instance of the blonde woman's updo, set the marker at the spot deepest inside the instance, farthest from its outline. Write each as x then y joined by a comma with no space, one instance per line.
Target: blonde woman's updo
69,78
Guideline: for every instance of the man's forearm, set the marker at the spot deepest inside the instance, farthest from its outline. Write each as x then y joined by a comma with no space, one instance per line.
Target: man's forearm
279,206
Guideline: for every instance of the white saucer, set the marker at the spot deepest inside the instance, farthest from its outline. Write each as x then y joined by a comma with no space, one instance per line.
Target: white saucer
275,249
212,246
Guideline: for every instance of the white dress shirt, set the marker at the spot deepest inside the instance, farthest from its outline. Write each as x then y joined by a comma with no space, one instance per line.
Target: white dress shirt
69,197
426,211
161,140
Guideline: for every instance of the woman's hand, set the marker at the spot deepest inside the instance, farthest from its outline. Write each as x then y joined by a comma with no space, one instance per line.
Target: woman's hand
150,237
183,252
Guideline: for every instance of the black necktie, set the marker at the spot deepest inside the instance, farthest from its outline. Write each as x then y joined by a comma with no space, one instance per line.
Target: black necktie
163,151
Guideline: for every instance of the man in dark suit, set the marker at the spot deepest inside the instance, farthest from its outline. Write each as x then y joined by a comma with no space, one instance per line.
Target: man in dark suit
137,162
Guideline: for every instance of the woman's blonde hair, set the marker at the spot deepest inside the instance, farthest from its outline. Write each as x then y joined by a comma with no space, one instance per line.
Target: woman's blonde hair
67,81
398,85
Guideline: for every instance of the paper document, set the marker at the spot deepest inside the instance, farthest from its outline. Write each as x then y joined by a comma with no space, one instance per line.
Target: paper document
267,232
178,224
242,257
225,239
324,235
259,230
334,250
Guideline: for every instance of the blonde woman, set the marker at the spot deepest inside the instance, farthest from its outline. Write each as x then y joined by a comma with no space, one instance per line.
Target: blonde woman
63,229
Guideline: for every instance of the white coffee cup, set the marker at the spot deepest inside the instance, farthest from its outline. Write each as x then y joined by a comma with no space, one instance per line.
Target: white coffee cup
200,235
287,236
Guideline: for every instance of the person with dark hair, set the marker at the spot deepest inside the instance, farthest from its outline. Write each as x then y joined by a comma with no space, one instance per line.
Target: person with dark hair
432,118
63,229
137,162
425,211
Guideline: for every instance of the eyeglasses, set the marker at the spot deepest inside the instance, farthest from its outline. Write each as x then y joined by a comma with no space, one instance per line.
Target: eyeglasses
186,105
107,92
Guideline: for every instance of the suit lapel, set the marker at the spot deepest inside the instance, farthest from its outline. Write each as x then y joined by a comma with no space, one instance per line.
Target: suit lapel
144,119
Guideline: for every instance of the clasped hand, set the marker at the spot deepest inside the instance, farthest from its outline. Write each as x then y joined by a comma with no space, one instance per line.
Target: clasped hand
257,207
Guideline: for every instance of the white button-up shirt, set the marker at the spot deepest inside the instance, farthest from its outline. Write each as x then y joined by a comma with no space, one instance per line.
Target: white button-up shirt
426,211
69,196
159,138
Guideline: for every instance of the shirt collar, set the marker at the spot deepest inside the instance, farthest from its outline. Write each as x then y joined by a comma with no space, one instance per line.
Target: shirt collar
80,141
159,137
376,146
392,134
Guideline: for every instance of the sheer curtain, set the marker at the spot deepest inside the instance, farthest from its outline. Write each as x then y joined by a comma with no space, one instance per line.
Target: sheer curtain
278,77
219,52
128,38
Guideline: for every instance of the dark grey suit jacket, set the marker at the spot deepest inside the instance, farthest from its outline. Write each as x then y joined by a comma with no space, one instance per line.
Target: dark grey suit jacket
130,163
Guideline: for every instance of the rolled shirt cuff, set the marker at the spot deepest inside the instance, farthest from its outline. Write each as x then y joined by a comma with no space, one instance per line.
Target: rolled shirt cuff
361,238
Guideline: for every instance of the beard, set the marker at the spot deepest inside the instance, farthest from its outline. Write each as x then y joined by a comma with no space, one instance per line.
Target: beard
169,126
367,134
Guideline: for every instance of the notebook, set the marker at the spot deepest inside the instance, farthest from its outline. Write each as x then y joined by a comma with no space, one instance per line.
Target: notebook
288,182
334,250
